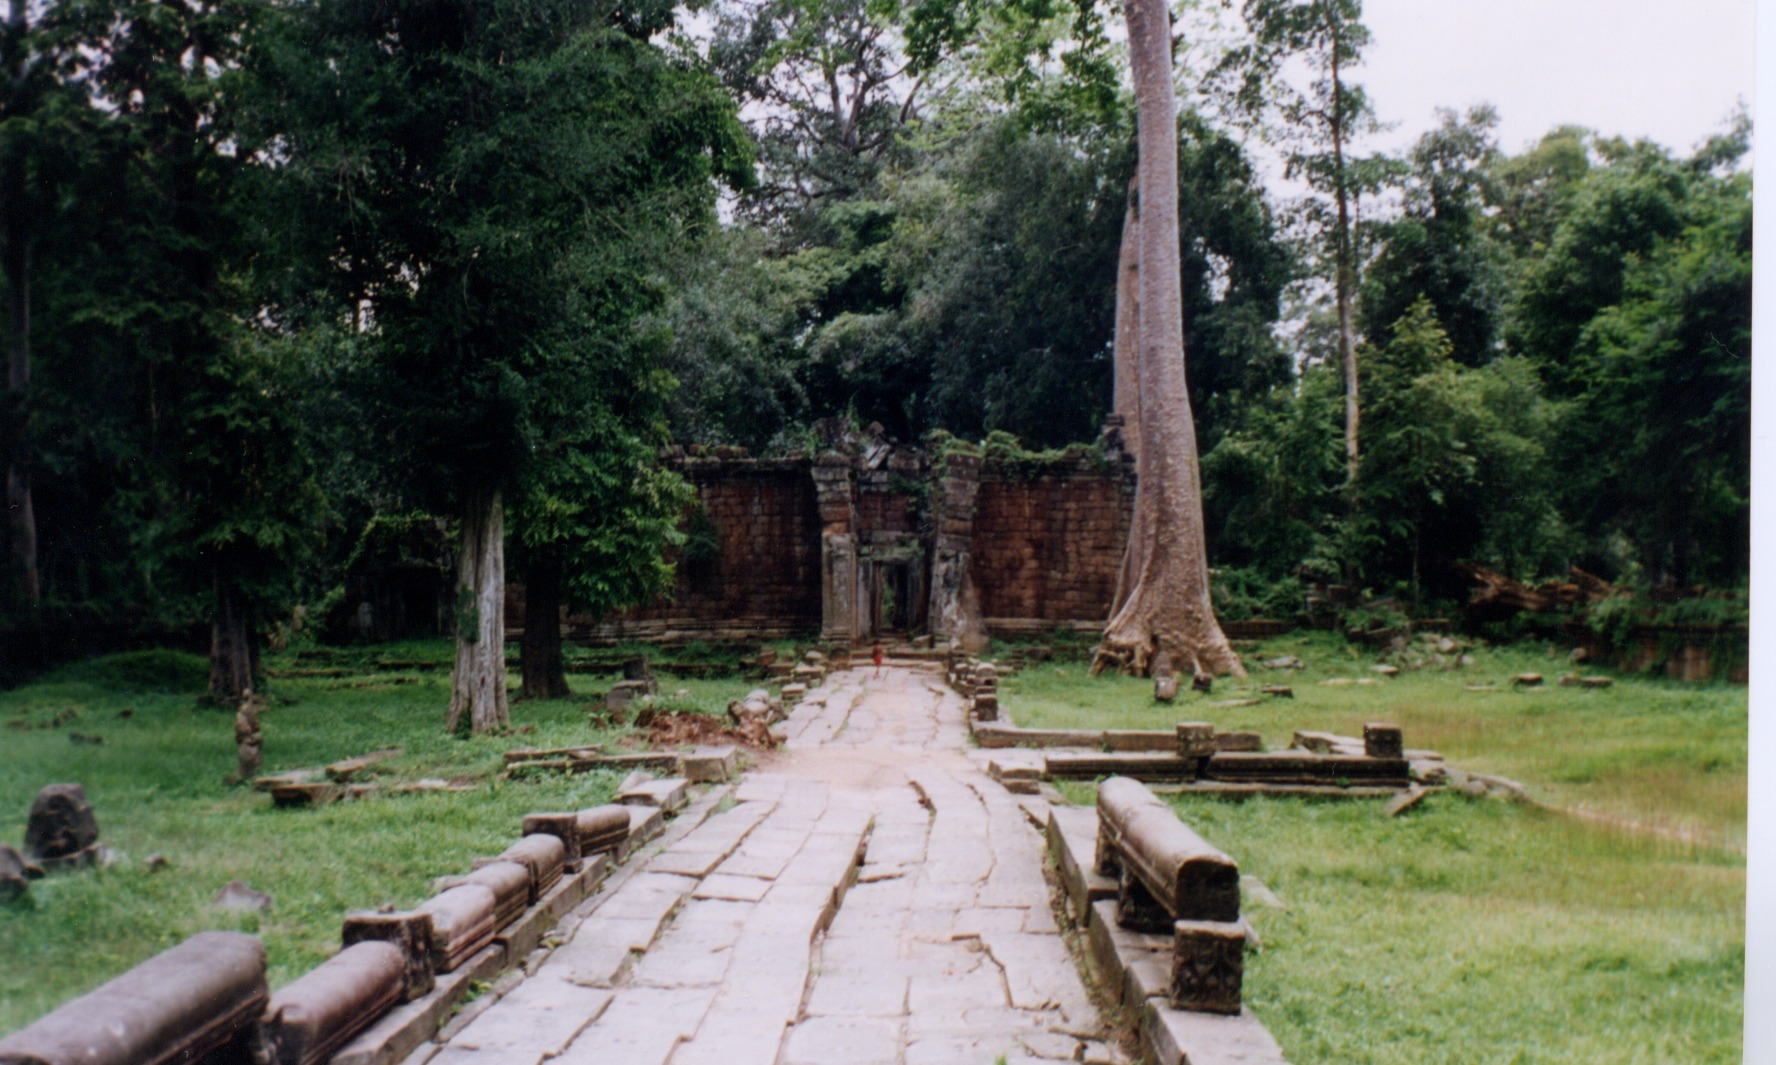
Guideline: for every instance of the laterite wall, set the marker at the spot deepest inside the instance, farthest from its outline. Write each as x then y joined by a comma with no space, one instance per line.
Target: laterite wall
1048,548
766,577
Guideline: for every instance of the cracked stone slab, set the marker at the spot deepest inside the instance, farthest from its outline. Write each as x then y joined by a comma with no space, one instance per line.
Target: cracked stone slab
540,1016
853,1040
732,888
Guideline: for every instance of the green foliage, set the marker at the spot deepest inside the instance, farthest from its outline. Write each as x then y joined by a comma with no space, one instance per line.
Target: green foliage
1449,452
1640,312
1242,593
1442,248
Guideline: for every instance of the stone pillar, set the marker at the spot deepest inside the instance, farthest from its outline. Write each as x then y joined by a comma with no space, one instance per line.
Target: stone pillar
836,498
954,607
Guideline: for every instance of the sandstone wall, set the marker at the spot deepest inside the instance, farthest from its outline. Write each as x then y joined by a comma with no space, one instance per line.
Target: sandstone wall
765,578
1047,549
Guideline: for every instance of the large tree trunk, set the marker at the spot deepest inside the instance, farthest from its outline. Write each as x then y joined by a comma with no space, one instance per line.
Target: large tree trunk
478,683
20,518
1127,355
1167,608
1127,347
544,672
234,642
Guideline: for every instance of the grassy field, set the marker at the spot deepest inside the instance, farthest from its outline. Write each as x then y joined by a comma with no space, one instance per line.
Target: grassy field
1652,751
156,787
1480,930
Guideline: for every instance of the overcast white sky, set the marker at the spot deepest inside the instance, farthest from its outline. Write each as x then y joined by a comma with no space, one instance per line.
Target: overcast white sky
1670,70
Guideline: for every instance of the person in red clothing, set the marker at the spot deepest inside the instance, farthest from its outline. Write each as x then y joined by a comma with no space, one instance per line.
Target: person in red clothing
876,657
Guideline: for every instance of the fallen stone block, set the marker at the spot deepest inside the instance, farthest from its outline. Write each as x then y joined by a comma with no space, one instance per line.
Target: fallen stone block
177,1006
1404,801
61,831
347,770
318,793
669,796
1302,767
711,765
15,874
294,776
236,895
318,1012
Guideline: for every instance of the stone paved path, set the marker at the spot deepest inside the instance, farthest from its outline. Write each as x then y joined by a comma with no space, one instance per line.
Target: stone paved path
758,938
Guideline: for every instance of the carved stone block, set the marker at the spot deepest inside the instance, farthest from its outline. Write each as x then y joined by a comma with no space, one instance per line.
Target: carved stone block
564,827
603,828
542,854
1208,964
462,924
1191,879
1195,739
178,1006
1382,740
411,932
318,1012
1136,908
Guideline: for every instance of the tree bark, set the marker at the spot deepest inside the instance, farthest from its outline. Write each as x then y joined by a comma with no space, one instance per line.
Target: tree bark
234,643
1167,607
540,660
1126,352
20,517
478,681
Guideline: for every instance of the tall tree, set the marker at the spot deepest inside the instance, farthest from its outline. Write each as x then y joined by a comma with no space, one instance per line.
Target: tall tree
829,81
1319,126
215,485
24,72
1443,246
1166,607
473,169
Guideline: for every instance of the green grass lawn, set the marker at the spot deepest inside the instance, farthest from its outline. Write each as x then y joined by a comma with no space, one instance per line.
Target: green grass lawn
1479,930
1648,750
156,787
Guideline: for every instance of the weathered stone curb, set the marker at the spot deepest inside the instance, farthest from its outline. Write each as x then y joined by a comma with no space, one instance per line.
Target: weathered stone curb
1136,967
411,1033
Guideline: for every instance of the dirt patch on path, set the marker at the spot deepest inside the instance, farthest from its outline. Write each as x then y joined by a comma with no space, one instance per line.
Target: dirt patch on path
857,768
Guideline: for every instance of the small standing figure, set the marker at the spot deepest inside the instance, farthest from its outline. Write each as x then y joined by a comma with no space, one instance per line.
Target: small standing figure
876,657
249,740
